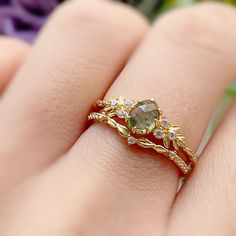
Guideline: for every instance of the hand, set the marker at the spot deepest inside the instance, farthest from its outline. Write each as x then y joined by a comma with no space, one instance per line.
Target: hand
62,178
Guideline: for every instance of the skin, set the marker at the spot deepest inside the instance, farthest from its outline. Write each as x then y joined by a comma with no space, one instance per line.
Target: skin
60,176
13,53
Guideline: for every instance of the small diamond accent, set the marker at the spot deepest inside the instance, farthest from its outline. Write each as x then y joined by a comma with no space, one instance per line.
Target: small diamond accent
172,156
129,102
131,140
172,134
115,103
165,122
121,113
158,133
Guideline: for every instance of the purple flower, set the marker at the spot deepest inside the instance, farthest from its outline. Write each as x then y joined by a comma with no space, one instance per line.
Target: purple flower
24,18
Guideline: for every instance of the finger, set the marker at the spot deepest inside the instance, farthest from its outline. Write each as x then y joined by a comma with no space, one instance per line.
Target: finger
207,201
13,53
77,56
202,61
114,188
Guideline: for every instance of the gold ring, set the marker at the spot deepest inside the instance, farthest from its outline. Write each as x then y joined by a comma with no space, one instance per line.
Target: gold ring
142,123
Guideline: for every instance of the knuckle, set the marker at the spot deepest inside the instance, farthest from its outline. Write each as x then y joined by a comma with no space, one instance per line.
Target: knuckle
130,166
100,16
202,26
107,146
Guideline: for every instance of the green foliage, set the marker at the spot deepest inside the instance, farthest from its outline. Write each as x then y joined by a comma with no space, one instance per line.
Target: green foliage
233,2
152,8
232,89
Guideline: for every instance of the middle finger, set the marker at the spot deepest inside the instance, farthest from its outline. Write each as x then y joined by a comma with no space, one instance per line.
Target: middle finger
70,66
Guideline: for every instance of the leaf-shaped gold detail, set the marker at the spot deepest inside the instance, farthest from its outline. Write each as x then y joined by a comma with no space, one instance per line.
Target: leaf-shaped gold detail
112,123
189,152
123,130
166,141
161,149
145,143
99,103
175,127
175,144
111,113
107,109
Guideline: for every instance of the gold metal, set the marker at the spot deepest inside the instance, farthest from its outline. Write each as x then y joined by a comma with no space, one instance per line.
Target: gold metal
172,146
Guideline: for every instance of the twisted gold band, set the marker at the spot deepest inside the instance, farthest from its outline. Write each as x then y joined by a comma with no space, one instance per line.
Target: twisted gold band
142,123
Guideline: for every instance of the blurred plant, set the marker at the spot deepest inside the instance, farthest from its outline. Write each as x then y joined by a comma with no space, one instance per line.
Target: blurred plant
152,8
24,18
231,91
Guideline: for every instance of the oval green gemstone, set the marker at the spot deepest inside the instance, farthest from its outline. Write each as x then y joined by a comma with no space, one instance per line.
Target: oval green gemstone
143,115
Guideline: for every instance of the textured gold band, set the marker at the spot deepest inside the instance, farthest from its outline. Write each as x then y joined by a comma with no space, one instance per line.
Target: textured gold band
142,123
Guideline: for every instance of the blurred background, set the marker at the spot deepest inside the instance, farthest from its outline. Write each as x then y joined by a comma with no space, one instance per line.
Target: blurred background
24,18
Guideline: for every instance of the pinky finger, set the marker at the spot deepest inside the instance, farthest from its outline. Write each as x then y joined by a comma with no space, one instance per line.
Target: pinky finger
208,199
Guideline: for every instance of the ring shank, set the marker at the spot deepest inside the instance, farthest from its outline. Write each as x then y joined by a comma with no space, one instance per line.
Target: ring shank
110,116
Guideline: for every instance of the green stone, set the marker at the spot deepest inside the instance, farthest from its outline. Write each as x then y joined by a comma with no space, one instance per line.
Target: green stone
143,116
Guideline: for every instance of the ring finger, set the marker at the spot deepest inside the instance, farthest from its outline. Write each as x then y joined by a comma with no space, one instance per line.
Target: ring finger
179,65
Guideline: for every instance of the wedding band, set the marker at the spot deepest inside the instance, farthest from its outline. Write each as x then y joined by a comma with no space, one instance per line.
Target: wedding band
142,123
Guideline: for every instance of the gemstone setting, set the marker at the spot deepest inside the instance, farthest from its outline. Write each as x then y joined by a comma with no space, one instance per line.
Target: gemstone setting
158,133
131,140
121,113
129,102
143,117
172,134
165,122
114,103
